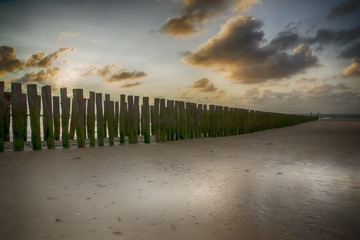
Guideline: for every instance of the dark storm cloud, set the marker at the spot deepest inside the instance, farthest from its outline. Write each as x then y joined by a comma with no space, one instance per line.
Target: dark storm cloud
344,8
40,59
352,51
237,52
285,40
8,60
331,36
196,12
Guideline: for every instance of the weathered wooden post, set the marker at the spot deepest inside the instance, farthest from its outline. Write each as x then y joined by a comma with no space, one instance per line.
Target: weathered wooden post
116,120
145,120
72,121
34,108
157,119
84,115
17,117
111,123
152,119
65,114
137,115
7,99
47,117
205,121
25,115
131,120
123,117
56,109
91,118
199,114
168,120
100,119
79,117
108,114
177,120
182,120
162,120
2,116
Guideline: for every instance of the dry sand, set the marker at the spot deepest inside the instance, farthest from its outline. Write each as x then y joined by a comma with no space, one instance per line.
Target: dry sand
299,182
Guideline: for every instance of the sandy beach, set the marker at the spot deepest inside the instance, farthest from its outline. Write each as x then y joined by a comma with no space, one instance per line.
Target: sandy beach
299,182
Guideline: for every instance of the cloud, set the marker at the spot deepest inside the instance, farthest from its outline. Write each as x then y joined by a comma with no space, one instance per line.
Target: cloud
205,85
8,60
113,73
193,13
305,80
130,85
352,70
321,97
66,35
344,8
43,76
237,52
340,37
353,51
41,60
125,75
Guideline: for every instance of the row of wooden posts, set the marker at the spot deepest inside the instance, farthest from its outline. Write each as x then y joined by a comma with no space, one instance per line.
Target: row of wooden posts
166,120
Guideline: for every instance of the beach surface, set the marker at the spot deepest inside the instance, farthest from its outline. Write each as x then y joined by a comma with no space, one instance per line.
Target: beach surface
299,182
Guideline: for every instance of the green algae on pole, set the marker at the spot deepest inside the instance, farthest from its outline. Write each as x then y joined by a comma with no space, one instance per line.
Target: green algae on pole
116,120
157,119
17,117
79,117
65,114
34,108
99,119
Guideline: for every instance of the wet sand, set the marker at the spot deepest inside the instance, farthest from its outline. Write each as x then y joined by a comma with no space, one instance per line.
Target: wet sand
299,182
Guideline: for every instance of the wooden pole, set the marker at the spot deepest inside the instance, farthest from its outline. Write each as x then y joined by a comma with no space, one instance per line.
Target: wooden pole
17,117
47,117
34,108
157,119
152,119
137,116
100,119
91,118
116,120
7,99
162,120
25,115
177,120
56,108
79,117
123,117
2,116
111,122
72,121
65,114
131,120
145,120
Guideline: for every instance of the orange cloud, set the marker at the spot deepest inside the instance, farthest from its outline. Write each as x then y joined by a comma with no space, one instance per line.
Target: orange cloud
130,85
40,59
43,76
205,85
237,52
9,61
352,70
125,75
304,80
193,13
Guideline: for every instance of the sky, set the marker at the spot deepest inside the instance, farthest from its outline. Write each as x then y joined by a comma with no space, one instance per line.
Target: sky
284,56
